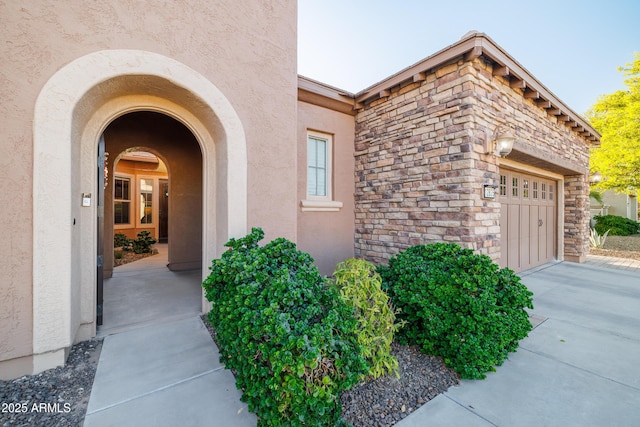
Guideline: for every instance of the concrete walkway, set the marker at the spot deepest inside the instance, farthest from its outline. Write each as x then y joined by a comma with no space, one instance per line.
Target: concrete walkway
632,265
578,367
159,365
145,292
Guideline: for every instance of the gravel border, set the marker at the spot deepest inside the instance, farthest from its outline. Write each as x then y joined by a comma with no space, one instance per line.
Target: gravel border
57,397
620,247
388,399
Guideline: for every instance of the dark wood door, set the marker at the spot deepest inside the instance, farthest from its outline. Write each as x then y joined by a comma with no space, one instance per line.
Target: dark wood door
163,225
100,237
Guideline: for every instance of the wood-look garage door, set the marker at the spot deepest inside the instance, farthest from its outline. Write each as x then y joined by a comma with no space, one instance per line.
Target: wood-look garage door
528,220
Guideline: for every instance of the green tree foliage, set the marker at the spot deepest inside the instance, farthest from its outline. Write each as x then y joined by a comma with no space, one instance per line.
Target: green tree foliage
616,117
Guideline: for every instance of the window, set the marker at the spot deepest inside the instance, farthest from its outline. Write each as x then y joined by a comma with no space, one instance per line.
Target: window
525,188
514,186
146,201
544,191
319,195
535,189
318,179
121,200
503,185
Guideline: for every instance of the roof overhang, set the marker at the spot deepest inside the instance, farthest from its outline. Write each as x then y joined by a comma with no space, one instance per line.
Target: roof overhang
316,93
471,47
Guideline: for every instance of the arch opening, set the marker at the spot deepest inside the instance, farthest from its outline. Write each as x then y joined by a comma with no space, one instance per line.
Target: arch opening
97,89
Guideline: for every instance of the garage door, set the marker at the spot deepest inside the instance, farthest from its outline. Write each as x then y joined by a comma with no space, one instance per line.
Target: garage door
528,220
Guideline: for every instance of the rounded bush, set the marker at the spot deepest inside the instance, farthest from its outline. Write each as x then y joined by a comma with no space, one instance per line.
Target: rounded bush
458,305
616,225
361,288
284,330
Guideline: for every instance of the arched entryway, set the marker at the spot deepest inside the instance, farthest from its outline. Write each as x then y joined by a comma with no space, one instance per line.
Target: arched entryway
72,111
174,142
145,149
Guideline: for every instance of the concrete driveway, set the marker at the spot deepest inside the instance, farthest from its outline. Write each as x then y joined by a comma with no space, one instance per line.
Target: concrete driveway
580,366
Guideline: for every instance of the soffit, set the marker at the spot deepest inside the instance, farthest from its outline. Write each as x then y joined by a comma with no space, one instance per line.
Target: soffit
469,48
316,93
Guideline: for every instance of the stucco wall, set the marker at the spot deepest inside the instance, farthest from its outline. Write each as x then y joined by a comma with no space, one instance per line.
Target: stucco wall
619,204
327,236
246,49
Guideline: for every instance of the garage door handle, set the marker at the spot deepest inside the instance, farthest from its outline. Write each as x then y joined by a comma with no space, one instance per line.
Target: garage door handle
540,223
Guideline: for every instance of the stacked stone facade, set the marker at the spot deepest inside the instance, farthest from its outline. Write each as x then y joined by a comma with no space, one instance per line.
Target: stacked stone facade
421,162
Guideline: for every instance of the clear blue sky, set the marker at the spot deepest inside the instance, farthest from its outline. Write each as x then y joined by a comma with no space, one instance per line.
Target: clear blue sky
572,47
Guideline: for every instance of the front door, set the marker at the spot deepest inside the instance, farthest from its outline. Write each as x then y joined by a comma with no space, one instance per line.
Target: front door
100,212
163,224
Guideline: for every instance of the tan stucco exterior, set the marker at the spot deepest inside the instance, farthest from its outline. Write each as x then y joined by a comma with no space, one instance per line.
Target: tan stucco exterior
327,235
71,70
213,90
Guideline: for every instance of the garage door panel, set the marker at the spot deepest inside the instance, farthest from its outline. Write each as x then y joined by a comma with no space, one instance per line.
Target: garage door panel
525,236
527,221
514,236
551,227
504,234
542,225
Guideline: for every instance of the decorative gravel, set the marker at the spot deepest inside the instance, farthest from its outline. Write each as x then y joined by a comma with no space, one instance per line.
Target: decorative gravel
620,247
57,397
388,399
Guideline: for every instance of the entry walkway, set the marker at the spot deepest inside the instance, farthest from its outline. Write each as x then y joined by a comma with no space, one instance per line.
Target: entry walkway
159,365
577,368
146,292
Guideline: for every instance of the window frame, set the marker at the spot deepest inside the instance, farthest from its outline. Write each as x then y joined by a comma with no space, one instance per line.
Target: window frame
154,196
324,203
328,165
131,200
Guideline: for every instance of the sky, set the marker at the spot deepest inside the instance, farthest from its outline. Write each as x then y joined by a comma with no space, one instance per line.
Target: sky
574,48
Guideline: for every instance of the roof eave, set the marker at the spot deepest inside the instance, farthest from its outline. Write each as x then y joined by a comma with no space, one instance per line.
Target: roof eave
474,46
323,95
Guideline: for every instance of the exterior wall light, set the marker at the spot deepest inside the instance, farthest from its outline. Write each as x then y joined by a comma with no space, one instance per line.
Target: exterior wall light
595,178
503,143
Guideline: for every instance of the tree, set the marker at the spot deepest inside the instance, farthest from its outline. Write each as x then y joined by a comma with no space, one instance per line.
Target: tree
616,117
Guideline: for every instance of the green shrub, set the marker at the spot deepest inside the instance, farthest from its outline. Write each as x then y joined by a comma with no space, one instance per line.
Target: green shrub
142,245
618,225
284,330
118,254
458,305
360,287
121,241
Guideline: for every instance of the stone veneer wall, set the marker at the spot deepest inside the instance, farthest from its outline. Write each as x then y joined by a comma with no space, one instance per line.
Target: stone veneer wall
421,163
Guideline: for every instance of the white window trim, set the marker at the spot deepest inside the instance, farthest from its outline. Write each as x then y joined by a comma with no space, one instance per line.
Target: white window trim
320,206
132,200
321,203
154,201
